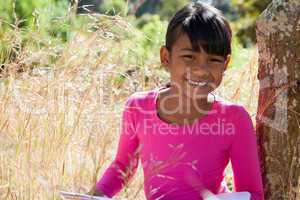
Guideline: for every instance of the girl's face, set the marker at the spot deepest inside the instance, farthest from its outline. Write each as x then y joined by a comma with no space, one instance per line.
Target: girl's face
194,74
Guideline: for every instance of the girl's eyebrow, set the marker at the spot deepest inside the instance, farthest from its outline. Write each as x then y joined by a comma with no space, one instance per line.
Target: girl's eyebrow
211,55
187,49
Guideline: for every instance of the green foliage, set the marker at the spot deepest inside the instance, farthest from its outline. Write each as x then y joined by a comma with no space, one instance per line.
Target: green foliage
168,8
149,7
49,20
30,26
250,8
114,7
11,10
240,55
48,16
165,9
154,30
247,12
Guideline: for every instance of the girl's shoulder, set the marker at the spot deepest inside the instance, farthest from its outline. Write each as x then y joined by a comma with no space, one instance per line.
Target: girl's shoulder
141,99
141,96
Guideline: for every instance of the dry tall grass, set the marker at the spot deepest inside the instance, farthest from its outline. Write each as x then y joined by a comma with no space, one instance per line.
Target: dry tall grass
59,121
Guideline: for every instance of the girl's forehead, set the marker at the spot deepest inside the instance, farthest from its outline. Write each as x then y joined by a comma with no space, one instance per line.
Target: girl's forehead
182,42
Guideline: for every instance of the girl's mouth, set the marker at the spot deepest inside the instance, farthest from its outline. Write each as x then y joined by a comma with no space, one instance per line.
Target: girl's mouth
197,83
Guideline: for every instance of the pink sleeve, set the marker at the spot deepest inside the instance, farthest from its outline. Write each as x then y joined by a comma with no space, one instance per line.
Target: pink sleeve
126,161
244,158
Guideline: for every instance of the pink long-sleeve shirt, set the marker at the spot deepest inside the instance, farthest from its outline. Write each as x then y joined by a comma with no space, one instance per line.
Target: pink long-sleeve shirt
184,161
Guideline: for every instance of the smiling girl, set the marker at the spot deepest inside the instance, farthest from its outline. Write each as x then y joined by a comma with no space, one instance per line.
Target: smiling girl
183,137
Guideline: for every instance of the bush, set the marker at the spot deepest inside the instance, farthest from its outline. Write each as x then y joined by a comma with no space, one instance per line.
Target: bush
153,30
113,7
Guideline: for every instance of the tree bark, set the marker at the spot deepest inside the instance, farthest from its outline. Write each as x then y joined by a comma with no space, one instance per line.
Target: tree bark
278,114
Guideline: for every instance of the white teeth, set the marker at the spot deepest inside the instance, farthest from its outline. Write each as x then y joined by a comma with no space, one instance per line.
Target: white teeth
201,84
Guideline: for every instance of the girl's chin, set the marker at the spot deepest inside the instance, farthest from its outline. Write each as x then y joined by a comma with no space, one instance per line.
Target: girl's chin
197,96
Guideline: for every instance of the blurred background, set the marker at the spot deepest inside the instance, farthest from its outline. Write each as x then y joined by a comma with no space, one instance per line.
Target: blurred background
66,68
56,18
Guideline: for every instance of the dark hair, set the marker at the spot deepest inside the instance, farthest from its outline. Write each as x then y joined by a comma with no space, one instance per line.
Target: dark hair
205,26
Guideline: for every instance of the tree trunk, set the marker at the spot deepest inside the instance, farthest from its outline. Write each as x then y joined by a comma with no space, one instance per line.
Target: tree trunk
278,114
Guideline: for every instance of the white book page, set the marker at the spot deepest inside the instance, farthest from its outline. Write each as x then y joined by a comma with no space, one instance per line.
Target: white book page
230,196
79,196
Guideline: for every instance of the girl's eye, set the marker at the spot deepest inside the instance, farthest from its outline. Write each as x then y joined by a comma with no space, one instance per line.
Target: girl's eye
188,57
216,60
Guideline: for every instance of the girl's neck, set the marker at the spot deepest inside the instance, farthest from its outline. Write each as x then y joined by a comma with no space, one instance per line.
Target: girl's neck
175,101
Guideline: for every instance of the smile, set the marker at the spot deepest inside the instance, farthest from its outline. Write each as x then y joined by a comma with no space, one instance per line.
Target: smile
197,83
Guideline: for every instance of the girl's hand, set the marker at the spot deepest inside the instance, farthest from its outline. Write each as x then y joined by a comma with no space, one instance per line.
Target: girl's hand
96,192
79,196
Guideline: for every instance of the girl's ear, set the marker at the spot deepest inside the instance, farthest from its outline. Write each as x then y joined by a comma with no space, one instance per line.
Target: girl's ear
227,61
164,57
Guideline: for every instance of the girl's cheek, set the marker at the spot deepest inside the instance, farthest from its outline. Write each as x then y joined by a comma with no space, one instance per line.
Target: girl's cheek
188,70
189,63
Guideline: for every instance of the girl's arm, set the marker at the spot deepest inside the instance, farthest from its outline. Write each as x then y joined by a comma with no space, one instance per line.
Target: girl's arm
126,161
244,157
96,192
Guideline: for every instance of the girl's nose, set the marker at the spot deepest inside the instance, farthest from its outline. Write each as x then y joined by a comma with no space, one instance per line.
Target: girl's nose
200,68
198,73
202,65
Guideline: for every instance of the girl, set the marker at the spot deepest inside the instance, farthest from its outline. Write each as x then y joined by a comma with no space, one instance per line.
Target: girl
182,136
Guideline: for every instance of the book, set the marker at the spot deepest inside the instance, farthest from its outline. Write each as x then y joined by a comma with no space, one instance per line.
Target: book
79,196
224,196
230,196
